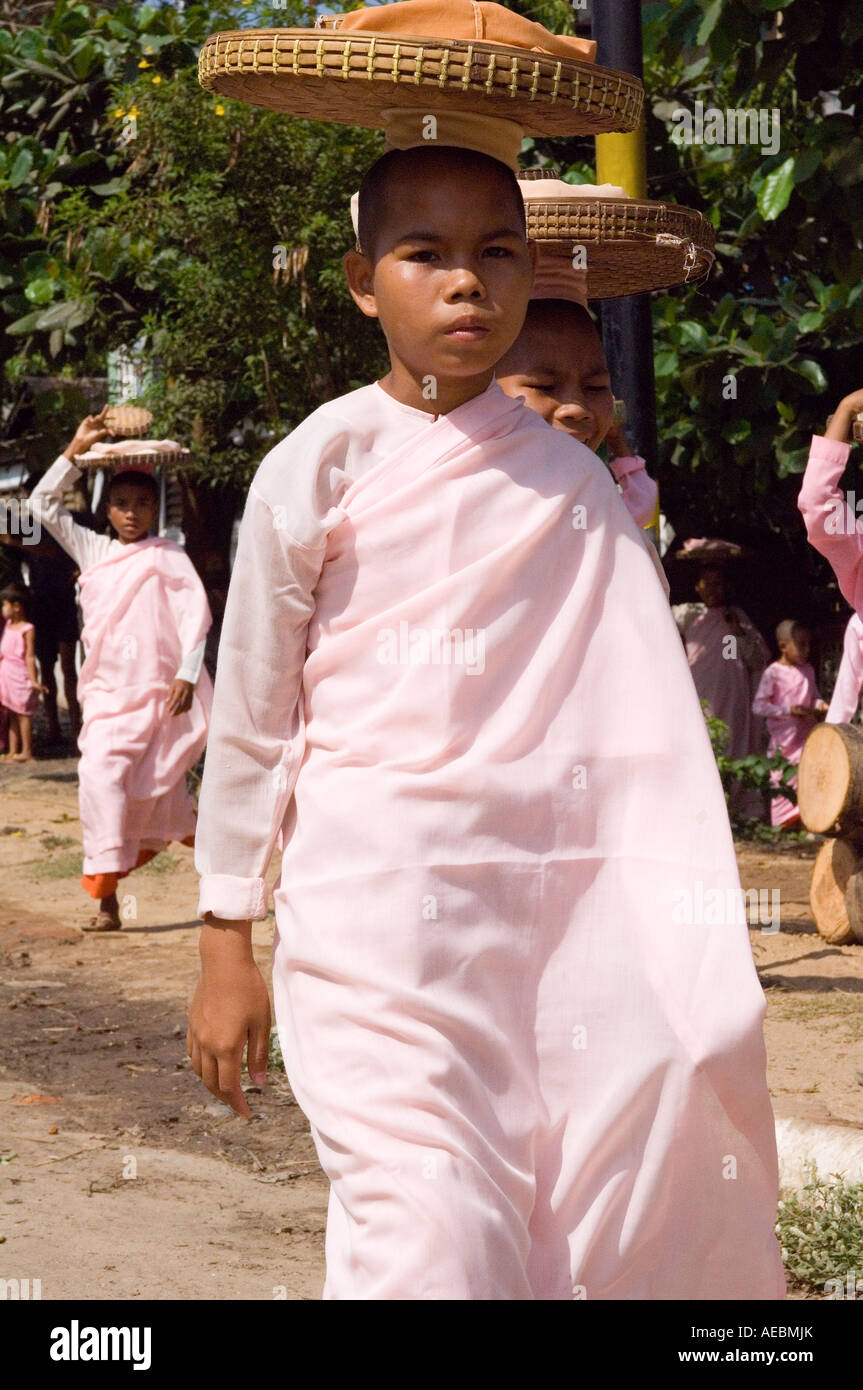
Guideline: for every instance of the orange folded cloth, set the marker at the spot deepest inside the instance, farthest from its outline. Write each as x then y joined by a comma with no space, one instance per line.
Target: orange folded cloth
466,19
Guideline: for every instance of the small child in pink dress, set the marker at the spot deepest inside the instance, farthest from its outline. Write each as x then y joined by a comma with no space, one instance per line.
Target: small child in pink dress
788,698
19,682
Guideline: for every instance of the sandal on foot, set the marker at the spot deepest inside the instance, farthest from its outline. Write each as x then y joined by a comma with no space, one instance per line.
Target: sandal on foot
103,921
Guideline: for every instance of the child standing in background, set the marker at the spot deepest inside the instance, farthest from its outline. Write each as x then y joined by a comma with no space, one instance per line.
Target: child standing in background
787,697
19,682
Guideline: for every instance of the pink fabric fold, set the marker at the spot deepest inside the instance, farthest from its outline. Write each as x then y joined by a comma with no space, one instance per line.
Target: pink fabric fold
845,700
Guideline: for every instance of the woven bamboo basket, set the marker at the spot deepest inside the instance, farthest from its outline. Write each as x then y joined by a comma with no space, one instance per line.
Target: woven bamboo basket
150,458
631,245
127,421
349,78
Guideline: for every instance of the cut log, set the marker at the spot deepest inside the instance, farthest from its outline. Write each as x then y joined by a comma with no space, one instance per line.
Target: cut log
837,861
854,904
830,780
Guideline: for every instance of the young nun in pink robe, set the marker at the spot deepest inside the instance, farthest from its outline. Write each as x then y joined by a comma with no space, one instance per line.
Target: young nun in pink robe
146,695
512,976
558,365
787,697
845,699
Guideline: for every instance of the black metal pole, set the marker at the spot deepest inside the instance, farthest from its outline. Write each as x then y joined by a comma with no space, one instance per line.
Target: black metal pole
627,331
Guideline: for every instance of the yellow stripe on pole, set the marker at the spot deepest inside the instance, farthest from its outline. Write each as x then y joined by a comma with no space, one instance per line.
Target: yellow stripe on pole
621,160
653,523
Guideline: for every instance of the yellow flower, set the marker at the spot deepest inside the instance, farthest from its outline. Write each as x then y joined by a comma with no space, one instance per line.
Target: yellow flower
133,111
143,63
220,110
157,79
118,112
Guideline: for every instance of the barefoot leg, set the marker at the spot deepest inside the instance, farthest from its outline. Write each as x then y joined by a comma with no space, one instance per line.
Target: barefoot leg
70,683
25,726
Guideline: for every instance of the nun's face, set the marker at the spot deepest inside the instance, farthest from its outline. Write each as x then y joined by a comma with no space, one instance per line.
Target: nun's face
452,272
710,586
131,511
557,364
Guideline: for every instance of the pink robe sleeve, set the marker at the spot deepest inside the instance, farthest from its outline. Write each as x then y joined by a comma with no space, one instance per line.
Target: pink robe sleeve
768,702
846,692
190,667
256,729
637,487
45,503
830,526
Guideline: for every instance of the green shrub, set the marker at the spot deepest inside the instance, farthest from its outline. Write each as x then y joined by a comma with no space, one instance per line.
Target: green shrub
820,1231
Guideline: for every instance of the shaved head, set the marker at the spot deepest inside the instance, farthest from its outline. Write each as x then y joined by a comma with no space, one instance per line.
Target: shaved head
546,321
788,629
387,184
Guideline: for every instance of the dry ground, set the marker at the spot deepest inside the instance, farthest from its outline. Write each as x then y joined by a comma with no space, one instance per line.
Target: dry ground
120,1177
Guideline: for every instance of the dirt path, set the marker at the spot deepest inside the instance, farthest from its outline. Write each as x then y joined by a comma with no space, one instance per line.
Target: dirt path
126,1180
148,1188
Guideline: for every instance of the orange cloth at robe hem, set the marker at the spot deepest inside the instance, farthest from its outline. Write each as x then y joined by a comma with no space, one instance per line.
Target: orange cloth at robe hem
103,885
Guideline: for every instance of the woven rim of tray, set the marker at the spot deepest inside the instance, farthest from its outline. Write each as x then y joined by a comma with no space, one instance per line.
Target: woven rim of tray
348,78
716,555
632,245
170,458
858,430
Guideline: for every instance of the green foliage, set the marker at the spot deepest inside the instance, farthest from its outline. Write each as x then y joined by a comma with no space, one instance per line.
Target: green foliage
56,77
158,224
210,233
754,771
820,1231
780,320
276,1061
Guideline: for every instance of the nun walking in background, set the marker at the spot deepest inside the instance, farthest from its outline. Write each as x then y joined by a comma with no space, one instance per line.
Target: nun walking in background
726,655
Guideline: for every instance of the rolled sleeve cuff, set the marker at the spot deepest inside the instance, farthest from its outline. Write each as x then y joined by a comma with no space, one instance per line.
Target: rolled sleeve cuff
234,899
622,467
829,450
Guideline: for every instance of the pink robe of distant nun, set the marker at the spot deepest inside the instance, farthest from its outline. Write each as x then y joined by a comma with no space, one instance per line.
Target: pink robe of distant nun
780,688
143,608
726,669
512,974
845,700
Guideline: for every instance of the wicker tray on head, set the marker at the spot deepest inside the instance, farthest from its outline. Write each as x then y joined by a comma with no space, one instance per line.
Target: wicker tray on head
709,551
350,77
171,455
857,430
130,421
631,245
